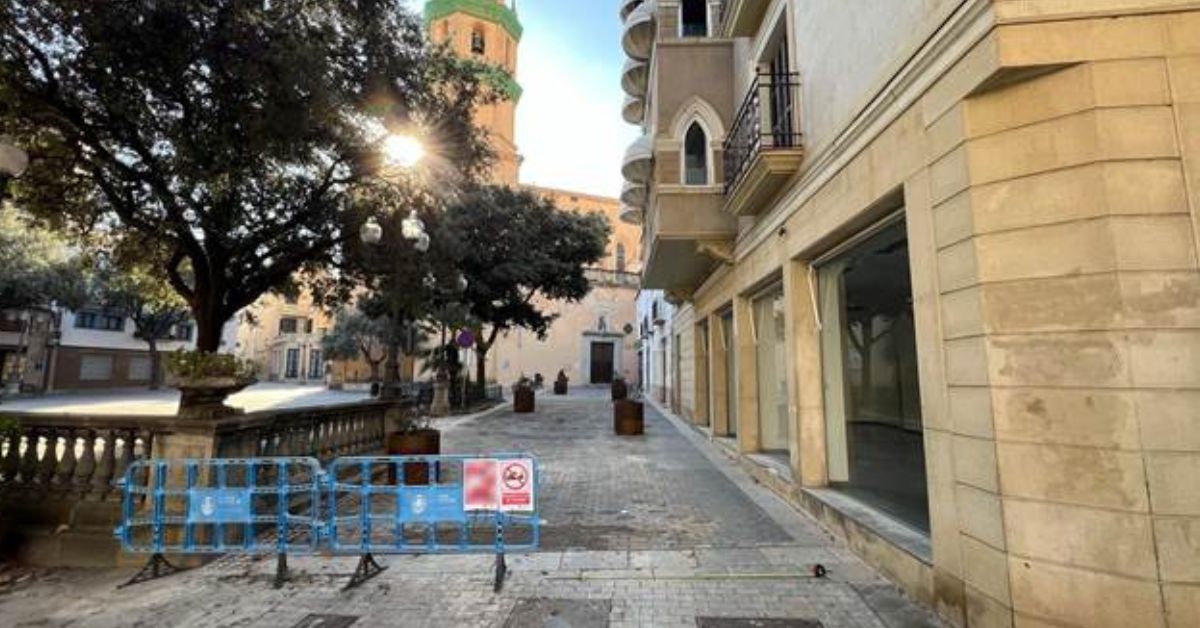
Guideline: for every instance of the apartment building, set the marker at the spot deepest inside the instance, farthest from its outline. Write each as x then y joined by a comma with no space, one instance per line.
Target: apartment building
936,266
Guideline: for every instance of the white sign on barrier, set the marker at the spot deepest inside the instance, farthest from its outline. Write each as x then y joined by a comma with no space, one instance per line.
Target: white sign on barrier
516,485
481,482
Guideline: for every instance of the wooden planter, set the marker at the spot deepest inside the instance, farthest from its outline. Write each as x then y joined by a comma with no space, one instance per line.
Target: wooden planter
523,401
620,390
629,418
427,442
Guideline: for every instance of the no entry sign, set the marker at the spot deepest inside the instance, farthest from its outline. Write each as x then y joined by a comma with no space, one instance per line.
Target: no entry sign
516,485
503,485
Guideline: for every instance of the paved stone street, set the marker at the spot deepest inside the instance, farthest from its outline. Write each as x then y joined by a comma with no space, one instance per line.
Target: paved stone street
166,402
660,530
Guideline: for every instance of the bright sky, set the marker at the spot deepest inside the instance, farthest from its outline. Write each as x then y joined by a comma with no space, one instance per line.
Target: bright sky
569,125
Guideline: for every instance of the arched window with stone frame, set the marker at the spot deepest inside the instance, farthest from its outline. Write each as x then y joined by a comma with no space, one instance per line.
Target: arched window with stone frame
696,156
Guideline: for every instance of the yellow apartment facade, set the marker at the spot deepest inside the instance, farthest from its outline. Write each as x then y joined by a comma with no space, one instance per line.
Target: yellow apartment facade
936,264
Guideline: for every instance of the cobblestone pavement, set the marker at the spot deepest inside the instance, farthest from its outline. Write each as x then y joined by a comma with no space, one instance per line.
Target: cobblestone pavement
650,531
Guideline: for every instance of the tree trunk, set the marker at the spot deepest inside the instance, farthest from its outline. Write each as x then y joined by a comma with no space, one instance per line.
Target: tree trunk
155,364
374,370
208,328
481,366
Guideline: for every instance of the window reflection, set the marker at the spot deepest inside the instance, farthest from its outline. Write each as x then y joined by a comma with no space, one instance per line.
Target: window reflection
876,449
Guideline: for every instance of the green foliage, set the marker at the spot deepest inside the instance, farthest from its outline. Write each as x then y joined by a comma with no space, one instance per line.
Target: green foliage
8,424
200,365
355,335
518,246
155,308
517,250
240,138
36,267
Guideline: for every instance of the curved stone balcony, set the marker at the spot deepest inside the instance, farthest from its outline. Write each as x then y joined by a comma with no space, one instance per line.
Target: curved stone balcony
638,165
638,36
635,77
634,110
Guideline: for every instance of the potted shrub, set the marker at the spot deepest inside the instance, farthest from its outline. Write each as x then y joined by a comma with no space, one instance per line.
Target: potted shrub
206,380
620,389
560,383
629,417
523,396
415,438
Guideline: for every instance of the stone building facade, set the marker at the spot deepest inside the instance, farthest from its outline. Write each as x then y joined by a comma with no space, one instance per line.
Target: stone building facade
938,261
594,340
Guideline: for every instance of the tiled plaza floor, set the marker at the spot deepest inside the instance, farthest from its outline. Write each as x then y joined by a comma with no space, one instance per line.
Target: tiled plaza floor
648,531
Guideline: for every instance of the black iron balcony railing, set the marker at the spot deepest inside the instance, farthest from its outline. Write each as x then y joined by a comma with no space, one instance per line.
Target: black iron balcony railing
766,121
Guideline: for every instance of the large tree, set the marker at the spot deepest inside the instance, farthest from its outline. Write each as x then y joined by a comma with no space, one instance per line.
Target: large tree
156,310
356,335
520,253
37,268
242,137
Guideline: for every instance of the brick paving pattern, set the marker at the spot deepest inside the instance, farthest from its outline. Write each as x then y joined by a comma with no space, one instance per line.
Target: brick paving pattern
654,531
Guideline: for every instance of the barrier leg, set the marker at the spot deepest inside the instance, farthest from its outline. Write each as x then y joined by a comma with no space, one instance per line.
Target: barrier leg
157,567
281,571
367,569
501,572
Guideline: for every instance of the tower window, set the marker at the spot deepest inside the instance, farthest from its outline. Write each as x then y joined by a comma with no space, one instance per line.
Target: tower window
694,18
477,42
695,156
620,258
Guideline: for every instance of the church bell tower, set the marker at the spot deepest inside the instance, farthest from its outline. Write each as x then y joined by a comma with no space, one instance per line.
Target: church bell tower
488,31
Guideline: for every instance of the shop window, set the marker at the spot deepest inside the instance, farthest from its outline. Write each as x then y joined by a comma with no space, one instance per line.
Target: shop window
873,406
770,353
695,160
139,369
99,321
95,368
693,18
316,365
731,384
292,367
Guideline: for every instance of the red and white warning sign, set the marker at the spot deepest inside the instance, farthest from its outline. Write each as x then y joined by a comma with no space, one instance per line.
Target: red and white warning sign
504,485
481,484
516,485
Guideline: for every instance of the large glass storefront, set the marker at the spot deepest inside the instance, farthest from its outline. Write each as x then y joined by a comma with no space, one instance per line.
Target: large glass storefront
873,406
771,356
731,387
702,373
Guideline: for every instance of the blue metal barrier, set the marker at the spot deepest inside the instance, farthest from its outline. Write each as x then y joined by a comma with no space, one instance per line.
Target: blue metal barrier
363,506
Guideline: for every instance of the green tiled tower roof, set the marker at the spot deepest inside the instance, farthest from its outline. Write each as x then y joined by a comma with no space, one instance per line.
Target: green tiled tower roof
489,10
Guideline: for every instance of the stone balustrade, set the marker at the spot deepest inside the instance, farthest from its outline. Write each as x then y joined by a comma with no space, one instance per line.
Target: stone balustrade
59,473
75,457
323,433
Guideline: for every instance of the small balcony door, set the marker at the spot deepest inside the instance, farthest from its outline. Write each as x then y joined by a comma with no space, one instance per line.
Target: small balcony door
783,105
292,368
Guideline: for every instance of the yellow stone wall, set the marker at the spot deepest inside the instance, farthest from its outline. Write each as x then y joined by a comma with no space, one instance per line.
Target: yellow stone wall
1051,180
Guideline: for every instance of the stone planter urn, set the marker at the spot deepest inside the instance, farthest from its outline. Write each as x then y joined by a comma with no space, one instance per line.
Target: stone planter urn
620,390
523,400
204,397
629,418
418,442
560,383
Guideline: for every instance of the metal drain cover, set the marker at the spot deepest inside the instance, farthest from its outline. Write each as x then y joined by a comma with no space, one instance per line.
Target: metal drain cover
753,622
327,621
540,612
